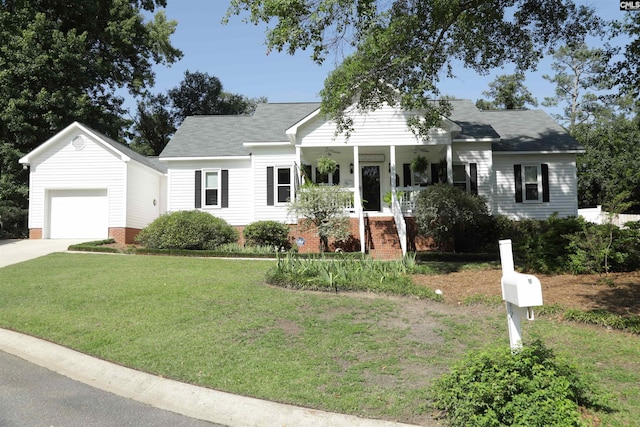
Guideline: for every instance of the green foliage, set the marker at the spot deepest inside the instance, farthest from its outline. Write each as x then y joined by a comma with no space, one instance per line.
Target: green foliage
529,388
12,221
629,324
66,61
95,246
444,212
324,207
267,233
326,165
401,50
158,116
348,274
541,245
187,230
507,92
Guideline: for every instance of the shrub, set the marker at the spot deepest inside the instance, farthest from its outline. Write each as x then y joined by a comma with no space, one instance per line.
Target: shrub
13,221
497,388
187,230
444,212
267,233
541,246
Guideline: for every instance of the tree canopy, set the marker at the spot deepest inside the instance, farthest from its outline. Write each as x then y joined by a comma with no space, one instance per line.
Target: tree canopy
158,116
63,61
507,92
400,49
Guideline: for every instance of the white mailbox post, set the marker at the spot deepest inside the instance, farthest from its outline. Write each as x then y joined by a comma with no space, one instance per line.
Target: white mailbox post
521,292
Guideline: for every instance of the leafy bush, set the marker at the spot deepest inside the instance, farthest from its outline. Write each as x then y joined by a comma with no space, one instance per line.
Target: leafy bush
497,388
448,214
267,233
187,230
541,246
13,221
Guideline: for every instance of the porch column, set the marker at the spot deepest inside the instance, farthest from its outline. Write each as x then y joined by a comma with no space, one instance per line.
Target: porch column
392,168
357,195
299,163
450,164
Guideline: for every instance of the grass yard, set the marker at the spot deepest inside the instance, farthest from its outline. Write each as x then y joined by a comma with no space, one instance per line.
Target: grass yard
214,322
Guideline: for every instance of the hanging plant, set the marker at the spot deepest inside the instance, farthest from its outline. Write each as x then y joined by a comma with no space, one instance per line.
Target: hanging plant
419,164
326,165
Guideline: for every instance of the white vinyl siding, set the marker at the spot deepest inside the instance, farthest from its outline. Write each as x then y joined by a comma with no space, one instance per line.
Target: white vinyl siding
465,153
181,188
378,128
64,167
276,158
562,186
144,195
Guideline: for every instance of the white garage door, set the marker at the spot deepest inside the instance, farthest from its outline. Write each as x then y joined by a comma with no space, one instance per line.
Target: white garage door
78,214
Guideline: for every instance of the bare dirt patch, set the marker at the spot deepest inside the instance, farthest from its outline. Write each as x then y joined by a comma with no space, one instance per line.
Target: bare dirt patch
619,294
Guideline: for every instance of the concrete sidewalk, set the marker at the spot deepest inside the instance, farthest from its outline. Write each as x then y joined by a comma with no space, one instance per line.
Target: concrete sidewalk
13,251
195,402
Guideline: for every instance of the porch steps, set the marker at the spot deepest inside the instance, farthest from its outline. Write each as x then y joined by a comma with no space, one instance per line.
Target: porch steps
382,241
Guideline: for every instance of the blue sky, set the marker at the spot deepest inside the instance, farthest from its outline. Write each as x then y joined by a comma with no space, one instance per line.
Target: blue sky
236,54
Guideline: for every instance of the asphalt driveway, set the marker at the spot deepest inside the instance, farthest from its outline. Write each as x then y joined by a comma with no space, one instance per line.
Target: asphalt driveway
13,251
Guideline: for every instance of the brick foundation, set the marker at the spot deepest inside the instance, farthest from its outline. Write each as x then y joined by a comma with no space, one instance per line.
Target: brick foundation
35,233
383,240
123,235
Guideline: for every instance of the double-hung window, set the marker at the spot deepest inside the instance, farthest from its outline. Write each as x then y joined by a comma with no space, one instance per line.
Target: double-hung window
460,177
212,188
283,184
532,183
279,185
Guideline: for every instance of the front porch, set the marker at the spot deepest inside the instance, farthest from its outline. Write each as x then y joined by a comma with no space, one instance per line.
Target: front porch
384,182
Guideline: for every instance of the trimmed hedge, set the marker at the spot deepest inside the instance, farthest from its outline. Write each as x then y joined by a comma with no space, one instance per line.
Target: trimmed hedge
187,230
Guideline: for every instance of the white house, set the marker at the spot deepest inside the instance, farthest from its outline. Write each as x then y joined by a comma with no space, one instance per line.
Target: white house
245,168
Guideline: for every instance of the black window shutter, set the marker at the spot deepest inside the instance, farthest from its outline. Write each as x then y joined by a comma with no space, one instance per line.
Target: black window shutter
270,201
434,173
473,178
198,194
225,188
517,171
545,182
336,176
406,175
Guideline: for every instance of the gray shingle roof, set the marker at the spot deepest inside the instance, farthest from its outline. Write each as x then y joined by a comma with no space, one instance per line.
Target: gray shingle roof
529,130
151,162
214,136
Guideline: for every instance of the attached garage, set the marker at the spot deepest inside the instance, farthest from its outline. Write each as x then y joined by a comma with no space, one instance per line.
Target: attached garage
78,214
84,185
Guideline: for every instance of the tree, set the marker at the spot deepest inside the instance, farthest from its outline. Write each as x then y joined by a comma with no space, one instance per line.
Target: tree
324,208
401,48
63,61
158,116
507,92
627,69
579,71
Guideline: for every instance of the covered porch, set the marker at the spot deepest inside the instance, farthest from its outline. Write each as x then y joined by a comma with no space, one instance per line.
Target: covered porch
384,180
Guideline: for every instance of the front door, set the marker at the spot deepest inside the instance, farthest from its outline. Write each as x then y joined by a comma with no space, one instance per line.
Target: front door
371,188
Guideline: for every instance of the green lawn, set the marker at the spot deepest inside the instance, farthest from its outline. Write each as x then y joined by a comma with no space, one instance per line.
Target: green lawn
215,323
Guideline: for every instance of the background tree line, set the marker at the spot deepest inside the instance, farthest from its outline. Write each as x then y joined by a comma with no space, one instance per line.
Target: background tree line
67,60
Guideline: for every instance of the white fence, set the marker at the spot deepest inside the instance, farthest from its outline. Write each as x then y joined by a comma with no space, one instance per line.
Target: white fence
598,216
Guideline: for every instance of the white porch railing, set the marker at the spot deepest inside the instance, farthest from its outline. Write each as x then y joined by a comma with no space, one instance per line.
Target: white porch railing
408,197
